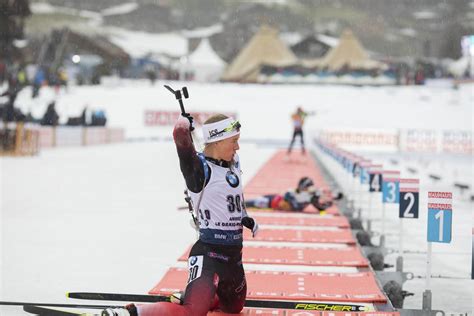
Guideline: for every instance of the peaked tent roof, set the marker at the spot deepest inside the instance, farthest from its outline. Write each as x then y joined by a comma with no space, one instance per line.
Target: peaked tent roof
264,48
204,54
349,52
205,63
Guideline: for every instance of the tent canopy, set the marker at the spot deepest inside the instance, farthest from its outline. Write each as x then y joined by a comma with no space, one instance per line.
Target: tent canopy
205,54
349,52
205,63
264,48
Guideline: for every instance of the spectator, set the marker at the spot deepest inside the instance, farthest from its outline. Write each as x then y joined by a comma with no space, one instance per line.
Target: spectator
98,118
50,117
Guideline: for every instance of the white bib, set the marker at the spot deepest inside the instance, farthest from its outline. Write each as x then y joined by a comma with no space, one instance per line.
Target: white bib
221,206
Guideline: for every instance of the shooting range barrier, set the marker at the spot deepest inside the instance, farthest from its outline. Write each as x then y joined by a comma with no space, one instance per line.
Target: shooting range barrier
403,140
361,180
18,139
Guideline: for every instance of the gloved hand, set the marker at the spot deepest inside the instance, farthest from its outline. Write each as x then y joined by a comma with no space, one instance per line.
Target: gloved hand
321,206
339,196
190,119
251,224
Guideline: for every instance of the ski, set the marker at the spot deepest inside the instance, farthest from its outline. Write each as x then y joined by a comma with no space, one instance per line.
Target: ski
44,311
141,298
298,305
8,303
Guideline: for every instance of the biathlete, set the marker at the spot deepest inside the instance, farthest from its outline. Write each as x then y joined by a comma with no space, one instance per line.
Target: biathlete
295,200
213,179
298,119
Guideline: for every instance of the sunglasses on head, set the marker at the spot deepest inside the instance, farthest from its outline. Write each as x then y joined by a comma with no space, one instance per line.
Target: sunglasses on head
233,126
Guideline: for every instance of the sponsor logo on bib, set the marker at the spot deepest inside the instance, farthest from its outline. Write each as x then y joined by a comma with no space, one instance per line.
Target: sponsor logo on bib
192,260
232,179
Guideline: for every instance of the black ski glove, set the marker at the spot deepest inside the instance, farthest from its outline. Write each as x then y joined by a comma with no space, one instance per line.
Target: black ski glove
251,224
320,206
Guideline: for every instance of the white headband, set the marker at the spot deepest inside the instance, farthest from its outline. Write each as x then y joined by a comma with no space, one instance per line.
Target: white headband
217,131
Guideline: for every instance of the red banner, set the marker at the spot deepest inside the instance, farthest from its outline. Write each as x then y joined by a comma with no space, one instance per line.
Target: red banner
166,118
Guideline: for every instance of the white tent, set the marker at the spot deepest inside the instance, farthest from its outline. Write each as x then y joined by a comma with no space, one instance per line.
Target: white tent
205,63
461,67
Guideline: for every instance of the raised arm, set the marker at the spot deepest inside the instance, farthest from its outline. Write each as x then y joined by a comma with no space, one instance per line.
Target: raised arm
189,162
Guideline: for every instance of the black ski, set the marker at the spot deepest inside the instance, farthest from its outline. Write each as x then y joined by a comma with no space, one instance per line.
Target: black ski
8,303
141,298
298,305
44,311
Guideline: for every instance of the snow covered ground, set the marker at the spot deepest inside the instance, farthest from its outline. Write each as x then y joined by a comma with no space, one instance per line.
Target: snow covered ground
104,218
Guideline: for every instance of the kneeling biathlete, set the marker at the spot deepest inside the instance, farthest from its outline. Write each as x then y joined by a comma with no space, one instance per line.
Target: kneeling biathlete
213,179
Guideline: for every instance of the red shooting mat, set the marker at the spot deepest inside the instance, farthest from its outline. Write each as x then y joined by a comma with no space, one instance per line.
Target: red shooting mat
310,209
340,257
279,174
285,312
338,287
266,218
340,236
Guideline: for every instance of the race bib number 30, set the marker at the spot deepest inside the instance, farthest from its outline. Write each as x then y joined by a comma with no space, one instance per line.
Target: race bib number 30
195,267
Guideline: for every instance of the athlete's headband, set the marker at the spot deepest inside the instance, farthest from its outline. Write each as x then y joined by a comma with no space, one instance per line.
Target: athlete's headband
214,132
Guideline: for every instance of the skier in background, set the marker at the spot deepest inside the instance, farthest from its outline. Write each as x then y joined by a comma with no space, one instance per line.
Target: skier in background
295,200
298,119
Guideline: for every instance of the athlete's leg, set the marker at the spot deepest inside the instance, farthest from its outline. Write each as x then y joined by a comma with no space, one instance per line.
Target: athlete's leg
198,299
302,141
199,293
292,141
259,202
275,201
232,289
